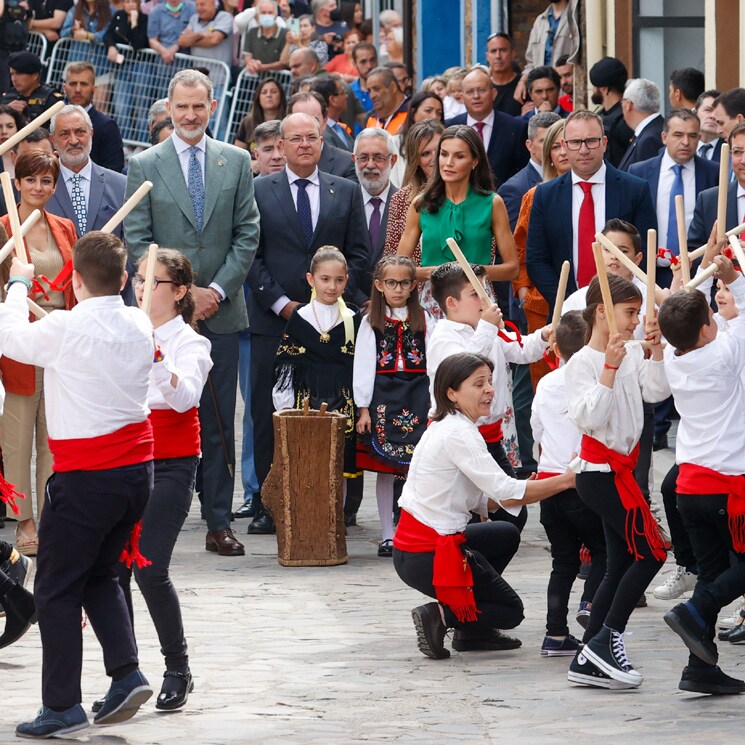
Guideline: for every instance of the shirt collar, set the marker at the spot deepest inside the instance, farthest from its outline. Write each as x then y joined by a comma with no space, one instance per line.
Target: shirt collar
170,328
740,190
182,146
292,177
667,163
100,301
597,178
643,123
86,171
383,196
538,167
489,121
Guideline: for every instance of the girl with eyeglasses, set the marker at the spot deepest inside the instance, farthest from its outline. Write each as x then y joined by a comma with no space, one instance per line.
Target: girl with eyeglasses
391,387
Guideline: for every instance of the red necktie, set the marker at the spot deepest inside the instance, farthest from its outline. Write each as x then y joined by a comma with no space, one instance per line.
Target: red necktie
479,127
585,237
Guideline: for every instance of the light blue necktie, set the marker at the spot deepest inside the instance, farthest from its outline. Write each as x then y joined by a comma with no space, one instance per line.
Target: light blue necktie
196,186
343,136
78,204
672,217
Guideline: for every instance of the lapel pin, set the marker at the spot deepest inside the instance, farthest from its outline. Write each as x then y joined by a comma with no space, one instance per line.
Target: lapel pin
220,162
331,191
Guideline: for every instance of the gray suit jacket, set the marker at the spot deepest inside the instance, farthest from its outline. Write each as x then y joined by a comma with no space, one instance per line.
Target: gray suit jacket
225,249
105,198
337,162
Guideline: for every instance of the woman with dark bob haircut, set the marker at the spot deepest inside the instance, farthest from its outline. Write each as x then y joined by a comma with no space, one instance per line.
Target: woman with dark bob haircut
437,551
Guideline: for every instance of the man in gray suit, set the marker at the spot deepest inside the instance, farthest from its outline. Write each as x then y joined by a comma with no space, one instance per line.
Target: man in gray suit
202,203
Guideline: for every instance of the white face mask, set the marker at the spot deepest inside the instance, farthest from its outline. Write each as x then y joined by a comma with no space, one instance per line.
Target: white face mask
266,20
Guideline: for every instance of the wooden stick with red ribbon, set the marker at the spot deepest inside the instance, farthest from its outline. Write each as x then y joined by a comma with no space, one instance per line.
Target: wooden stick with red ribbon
734,241
685,262
610,316
621,256
26,225
34,124
147,292
127,207
722,195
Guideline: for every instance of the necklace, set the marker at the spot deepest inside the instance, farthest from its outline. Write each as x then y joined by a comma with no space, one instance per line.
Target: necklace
325,336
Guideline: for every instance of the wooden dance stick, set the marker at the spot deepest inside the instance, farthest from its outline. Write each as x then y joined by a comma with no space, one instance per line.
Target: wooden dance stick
621,256
651,272
26,225
604,288
560,294
127,207
722,196
685,262
147,293
701,250
701,277
35,309
15,223
24,132
468,271
734,241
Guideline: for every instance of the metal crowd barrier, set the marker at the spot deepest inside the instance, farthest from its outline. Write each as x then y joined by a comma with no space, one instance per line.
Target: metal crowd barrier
126,91
243,94
37,43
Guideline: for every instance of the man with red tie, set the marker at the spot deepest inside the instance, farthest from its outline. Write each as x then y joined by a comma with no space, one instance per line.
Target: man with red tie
568,211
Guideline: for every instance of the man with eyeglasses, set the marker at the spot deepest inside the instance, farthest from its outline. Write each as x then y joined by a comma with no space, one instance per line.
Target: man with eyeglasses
302,208
641,111
569,210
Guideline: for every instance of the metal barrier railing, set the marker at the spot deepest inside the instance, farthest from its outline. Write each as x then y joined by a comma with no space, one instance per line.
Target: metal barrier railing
37,43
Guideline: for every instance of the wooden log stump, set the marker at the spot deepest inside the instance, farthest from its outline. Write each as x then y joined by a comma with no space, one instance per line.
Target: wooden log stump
303,491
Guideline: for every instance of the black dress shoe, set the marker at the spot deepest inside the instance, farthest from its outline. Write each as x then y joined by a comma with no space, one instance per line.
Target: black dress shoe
483,640
709,679
20,613
175,690
223,543
248,509
262,524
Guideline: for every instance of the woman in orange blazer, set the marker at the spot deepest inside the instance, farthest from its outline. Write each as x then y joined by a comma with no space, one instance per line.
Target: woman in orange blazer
49,247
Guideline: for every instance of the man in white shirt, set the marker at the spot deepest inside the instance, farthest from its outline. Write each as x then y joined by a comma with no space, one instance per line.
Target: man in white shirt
641,112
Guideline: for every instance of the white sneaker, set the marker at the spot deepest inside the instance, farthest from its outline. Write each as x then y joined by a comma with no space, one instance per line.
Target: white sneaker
676,584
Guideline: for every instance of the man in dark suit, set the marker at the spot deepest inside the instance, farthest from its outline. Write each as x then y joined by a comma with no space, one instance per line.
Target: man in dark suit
543,86
302,208
202,203
709,143
334,160
80,87
335,95
641,111
503,135
568,210
608,77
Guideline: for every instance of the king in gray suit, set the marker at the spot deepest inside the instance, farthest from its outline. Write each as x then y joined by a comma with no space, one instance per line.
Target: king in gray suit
202,203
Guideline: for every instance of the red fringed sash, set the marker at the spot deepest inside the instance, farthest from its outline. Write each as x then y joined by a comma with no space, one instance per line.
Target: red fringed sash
131,552
8,494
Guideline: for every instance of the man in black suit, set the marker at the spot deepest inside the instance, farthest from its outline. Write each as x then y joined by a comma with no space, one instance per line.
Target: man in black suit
335,95
503,135
641,111
287,242
334,160
80,87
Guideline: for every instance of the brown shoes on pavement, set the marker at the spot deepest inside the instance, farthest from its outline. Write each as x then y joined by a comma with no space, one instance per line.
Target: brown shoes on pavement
223,543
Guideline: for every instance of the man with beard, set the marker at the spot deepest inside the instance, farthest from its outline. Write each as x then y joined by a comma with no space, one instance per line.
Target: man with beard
608,77
202,203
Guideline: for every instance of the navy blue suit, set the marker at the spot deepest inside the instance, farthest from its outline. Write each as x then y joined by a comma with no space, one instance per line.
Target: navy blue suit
513,190
645,146
107,148
705,213
550,231
506,149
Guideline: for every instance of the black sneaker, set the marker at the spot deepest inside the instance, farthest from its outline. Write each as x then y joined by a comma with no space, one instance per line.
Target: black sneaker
430,631
483,640
606,650
695,637
584,672
709,679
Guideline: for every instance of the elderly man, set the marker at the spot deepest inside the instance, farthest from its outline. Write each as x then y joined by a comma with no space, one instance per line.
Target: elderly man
202,203
641,112
264,44
301,210
209,33
80,87
390,105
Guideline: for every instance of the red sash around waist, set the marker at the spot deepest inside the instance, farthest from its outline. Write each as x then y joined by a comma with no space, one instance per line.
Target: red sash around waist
631,495
176,433
451,572
693,479
492,432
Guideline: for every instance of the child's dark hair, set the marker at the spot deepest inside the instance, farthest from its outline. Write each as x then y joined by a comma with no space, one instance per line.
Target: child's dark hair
450,374
570,334
327,253
616,225
621,291
100,259
179,271
449,280
376,309
682,316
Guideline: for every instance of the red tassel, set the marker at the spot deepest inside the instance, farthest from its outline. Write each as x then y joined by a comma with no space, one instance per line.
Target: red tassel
8,494
550,359
131,552
736,528
584,555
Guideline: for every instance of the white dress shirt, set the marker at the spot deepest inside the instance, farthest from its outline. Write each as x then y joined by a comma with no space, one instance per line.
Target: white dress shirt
452,474
488,127
313,190
643,123
703,151
85,174
182,150
538,167
613,416
598,199
366,197
709,395
664,187
740,204
96,357
552,428
187,356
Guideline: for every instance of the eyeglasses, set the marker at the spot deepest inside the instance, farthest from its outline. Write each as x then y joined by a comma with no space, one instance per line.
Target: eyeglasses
592,143
379,159
137,281
298,140
392,284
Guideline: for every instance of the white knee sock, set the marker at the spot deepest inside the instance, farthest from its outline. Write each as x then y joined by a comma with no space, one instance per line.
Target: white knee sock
384,494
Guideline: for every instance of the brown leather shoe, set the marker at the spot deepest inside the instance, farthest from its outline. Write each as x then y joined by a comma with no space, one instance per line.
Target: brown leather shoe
223,543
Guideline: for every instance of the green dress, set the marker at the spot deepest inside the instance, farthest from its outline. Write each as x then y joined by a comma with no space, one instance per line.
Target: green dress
468,222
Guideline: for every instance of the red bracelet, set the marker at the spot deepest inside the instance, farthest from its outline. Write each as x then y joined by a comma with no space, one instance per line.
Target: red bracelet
609,367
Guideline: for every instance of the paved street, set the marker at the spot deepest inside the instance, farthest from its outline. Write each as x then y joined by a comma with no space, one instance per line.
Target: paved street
328,655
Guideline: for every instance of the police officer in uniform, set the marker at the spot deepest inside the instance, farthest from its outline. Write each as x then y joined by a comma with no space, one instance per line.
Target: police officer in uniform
28,95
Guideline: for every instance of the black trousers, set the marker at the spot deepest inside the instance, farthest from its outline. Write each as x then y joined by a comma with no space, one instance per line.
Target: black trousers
87,519
216,419
682,548
164,517
263,355
646,445
720,581
625,578
569,523
493,544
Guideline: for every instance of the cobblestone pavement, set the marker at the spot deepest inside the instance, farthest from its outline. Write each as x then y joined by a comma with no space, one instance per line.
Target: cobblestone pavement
328,655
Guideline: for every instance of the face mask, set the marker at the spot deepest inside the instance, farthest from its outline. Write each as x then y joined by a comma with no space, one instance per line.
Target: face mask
175,8
266,20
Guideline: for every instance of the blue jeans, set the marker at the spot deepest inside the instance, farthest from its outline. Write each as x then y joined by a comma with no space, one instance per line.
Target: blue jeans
248,472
